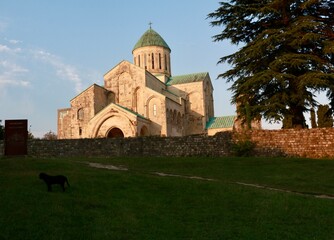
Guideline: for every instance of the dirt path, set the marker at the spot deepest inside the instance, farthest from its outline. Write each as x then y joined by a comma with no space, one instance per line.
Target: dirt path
109,167
316,195
181,176
251,185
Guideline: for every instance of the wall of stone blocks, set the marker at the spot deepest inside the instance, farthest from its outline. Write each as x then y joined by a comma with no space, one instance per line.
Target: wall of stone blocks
310,143
199,145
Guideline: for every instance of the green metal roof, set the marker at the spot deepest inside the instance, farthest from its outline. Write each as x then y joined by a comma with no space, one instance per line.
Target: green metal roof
221,122
189,78
151,38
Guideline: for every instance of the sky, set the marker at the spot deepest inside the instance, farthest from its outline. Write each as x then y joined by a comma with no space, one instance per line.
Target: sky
52,50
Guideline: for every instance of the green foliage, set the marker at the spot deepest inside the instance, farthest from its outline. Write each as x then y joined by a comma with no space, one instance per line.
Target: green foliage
137,204
30,135
245,113
243,148
325,118
2,131
287,55
50,136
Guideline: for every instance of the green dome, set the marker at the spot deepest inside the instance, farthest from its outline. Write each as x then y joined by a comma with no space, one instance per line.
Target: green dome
151,38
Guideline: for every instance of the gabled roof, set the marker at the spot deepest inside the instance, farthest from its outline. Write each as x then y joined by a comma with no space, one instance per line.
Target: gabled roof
221,122
130,111
123,61
189,78
93,85
125,110
151,38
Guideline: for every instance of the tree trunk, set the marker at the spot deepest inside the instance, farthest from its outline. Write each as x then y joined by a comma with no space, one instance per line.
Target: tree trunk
298,119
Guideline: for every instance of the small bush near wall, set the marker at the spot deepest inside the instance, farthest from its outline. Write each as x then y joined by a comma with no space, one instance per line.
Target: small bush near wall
244,148
2,148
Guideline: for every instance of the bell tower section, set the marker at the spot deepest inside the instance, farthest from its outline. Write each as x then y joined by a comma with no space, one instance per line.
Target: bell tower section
152,53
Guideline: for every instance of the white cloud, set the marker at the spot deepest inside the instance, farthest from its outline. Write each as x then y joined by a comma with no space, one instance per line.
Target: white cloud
13,41
6,49
63,70
11,74
12,67
5,80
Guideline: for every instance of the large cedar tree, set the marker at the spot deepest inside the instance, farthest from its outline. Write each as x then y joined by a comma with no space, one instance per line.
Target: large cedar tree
286,55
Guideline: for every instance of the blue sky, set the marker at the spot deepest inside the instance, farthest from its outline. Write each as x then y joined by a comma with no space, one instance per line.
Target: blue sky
52,50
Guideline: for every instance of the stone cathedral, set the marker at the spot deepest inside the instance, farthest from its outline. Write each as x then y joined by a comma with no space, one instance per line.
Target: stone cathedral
143,98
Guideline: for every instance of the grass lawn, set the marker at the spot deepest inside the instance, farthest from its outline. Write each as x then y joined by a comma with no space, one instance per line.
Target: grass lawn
138,204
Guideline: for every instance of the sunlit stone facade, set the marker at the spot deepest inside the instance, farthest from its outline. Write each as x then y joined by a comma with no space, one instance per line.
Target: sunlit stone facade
142,98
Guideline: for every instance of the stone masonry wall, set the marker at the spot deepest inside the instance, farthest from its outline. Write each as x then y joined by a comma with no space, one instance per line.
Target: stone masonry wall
141,146
310,143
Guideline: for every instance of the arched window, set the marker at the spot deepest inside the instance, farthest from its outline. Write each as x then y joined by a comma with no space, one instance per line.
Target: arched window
80,114
159,60
139,60
152,60
165,62
135,98
145,61
154,109
178,121
169,63
174,117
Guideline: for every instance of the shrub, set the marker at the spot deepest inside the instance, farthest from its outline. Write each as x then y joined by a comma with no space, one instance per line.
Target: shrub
243,148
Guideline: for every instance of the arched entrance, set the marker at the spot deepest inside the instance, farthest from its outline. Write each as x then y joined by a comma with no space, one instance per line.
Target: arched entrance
114,133
144,131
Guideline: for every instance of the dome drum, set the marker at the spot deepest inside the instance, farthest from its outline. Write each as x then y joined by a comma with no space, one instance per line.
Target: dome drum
152,53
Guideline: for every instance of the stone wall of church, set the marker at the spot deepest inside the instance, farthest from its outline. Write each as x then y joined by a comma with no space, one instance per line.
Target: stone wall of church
64,123
154,59
195,108
175,112
126,82
73,122
139,90
208,100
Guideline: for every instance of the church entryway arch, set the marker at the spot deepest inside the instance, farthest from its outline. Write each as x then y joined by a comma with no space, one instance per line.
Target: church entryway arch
144,131
115,133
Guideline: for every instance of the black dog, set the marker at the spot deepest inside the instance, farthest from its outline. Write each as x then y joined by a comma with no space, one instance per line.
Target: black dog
51,180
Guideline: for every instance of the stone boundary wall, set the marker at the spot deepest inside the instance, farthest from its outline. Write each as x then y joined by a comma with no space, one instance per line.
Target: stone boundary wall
310,143
142,146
